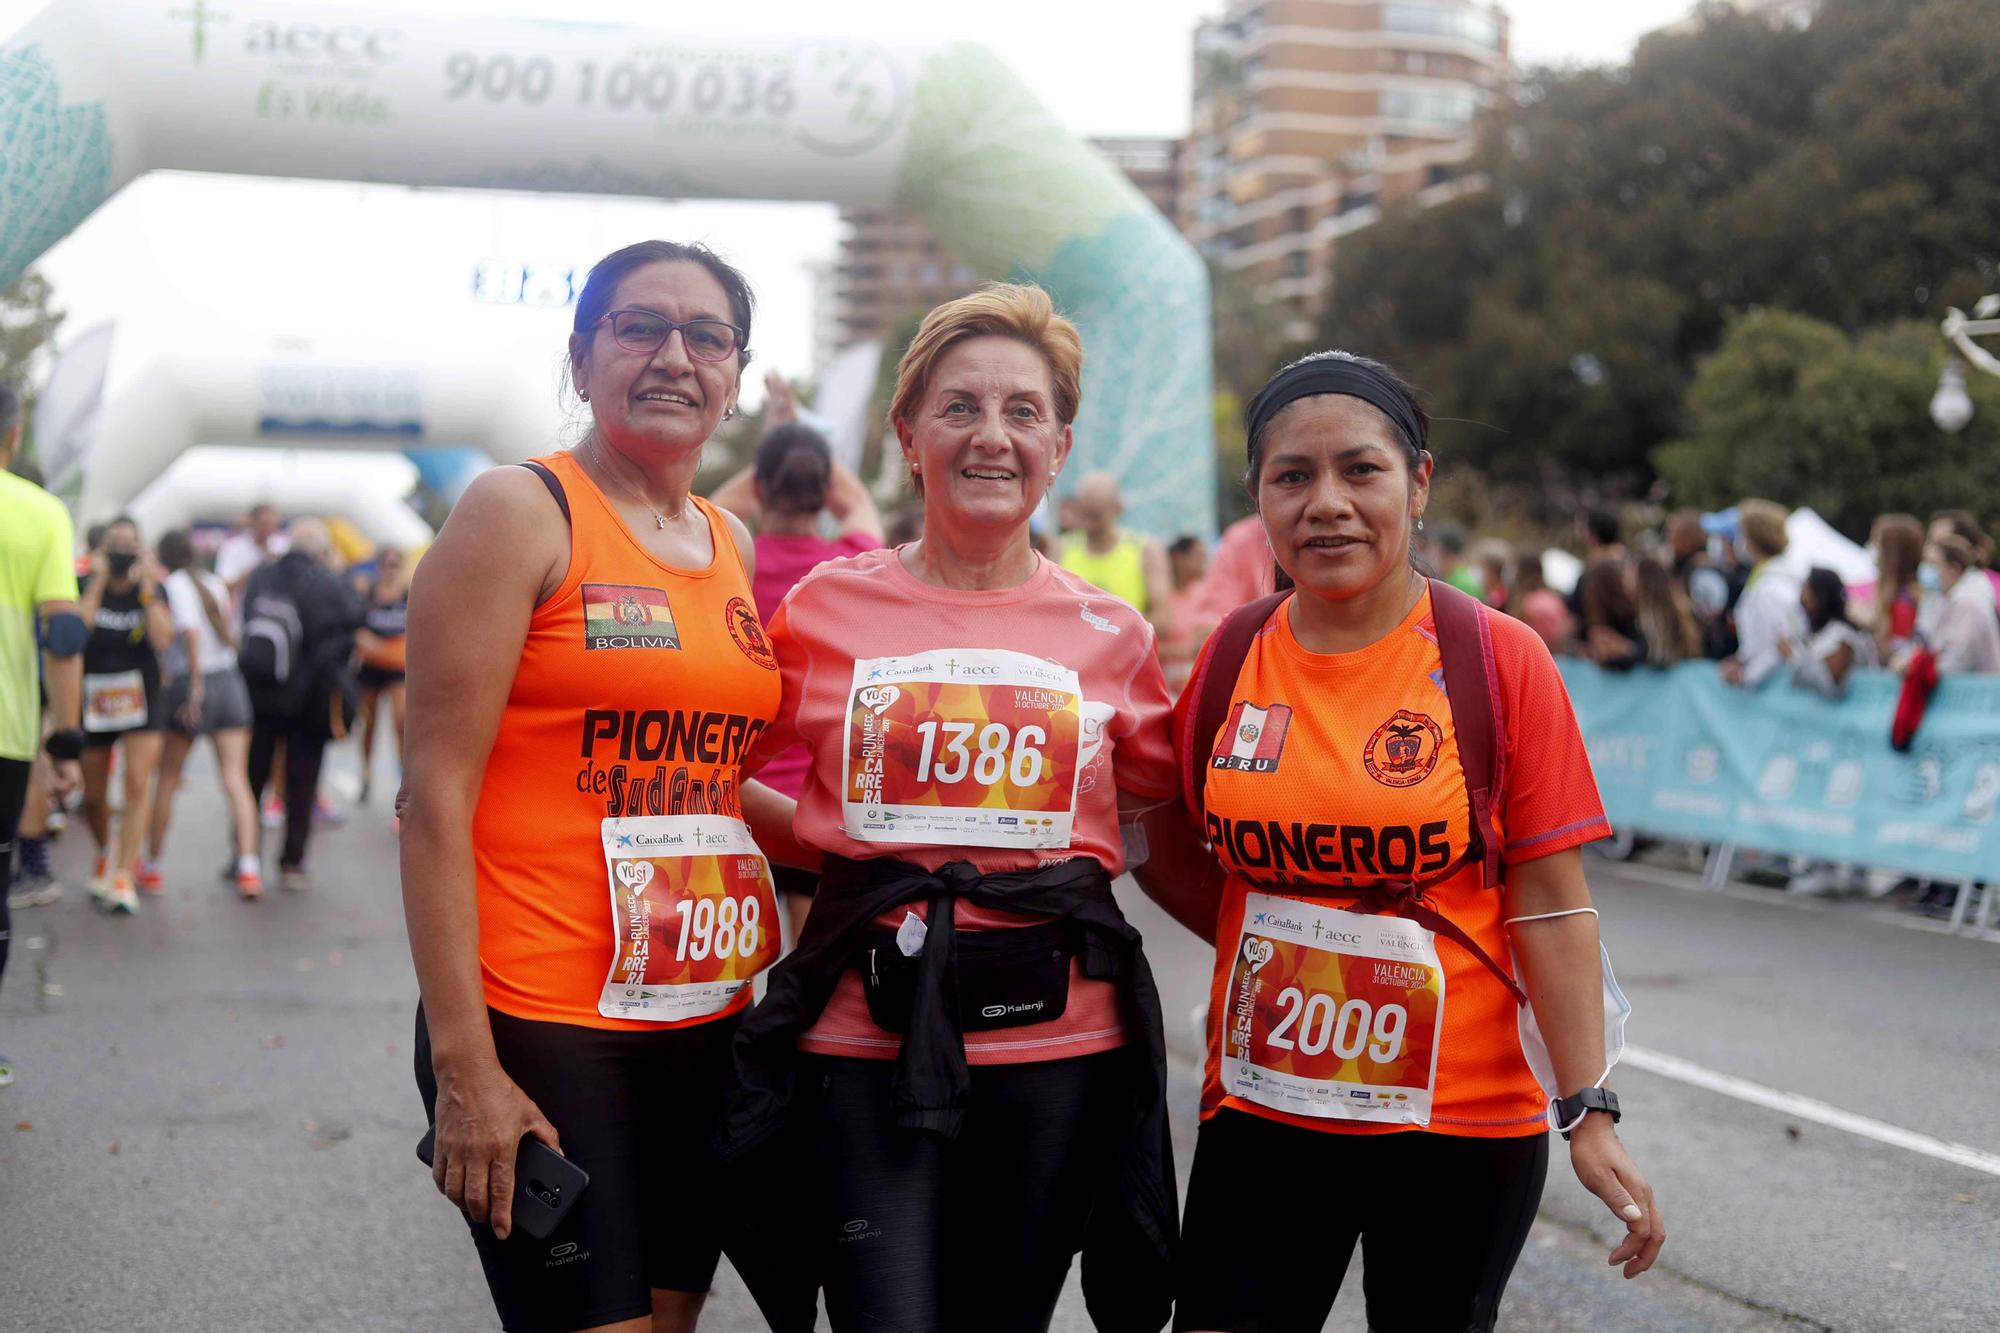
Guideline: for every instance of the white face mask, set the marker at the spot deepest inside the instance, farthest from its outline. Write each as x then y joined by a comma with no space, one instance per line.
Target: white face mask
1929,577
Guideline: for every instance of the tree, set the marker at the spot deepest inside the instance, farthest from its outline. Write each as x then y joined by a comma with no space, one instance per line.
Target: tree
1841,170
1794,409
28,324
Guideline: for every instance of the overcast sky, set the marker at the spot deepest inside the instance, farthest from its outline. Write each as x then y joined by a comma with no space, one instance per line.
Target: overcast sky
253,266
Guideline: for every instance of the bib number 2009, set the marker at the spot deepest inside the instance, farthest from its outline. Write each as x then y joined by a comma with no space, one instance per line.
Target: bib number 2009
693,915
1333,1014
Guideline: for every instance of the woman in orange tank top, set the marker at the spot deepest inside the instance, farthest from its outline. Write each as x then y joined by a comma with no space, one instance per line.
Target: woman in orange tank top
585,905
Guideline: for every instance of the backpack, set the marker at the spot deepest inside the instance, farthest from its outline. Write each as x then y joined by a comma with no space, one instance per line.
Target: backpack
272,657
1471,684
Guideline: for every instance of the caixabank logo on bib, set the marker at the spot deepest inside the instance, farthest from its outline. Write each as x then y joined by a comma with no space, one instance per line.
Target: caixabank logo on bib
1403,750
618,615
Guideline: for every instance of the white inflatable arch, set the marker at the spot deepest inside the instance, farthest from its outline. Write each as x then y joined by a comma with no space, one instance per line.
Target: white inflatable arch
95,92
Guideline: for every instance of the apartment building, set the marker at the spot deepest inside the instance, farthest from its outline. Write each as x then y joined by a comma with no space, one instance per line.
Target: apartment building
1310,115
890,265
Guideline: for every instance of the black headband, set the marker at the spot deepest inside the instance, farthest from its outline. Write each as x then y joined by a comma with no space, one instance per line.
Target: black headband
1343,375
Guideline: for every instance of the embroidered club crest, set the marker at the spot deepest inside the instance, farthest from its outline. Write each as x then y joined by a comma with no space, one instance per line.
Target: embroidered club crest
1403,750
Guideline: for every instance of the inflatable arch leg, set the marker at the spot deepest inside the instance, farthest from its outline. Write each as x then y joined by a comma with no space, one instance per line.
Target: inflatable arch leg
95,92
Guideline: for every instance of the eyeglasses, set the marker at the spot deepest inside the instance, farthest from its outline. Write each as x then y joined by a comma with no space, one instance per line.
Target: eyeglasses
645,332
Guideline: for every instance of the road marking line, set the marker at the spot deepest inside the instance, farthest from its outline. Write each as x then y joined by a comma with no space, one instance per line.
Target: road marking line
1806,1108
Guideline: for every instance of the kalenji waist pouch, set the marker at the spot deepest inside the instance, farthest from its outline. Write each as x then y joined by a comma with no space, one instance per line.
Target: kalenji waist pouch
1006,978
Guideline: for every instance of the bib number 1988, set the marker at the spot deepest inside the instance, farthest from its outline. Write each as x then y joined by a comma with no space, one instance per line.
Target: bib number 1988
693,915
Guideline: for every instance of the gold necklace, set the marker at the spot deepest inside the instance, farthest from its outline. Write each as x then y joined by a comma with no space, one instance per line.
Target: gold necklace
659,519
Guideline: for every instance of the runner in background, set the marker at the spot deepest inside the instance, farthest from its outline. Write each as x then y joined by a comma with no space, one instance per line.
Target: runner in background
1129,566
206,696
586,673
38,607
1240,571
782,494
1364,1040
261,541
299,619
123,705
1187,560
1897,541
976,718
380,643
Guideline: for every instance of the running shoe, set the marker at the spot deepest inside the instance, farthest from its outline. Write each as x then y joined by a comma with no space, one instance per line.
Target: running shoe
250,883
324,813
293,878
58,821
123,898
149,878
33,890
100,882
274,814
6,1072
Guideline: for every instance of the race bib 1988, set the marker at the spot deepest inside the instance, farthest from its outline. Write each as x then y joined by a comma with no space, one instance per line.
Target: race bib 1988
965,746
1332,1014
693,915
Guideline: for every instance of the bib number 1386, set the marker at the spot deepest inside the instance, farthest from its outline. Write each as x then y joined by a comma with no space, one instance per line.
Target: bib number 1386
1016,755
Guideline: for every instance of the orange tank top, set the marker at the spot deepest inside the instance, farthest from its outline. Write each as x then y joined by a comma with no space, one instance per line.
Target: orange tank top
640,688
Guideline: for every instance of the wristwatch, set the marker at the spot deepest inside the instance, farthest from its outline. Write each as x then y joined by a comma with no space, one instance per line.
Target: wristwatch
1570,1110
64,744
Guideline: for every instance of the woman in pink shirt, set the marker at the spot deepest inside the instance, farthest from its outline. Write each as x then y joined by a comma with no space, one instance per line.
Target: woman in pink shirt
781,495
969,1021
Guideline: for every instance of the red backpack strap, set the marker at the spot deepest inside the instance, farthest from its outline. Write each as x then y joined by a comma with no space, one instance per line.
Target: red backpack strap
1472,684
1210,689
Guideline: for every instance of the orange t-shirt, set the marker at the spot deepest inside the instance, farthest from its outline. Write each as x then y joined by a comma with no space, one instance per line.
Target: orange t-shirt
1358,779
640,689
870,607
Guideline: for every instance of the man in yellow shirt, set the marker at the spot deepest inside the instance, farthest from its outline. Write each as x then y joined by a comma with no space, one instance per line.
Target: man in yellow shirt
37,602
1131,567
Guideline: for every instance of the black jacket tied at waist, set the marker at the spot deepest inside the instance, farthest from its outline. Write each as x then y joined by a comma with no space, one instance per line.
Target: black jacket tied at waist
1128,1244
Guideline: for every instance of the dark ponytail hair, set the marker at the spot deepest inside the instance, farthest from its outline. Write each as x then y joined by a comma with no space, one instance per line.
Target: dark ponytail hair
594,302
794,467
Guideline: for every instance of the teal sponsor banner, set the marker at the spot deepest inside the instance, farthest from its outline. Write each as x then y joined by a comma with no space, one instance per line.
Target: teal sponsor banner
1681,754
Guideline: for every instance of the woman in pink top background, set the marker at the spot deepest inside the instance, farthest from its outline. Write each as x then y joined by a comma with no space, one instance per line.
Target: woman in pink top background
781,495
968,1021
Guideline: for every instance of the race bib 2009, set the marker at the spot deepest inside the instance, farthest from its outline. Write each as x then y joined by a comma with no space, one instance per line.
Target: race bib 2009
693,915
1332,1014
966,746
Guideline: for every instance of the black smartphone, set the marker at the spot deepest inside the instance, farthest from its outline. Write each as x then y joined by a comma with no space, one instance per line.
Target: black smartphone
546,1184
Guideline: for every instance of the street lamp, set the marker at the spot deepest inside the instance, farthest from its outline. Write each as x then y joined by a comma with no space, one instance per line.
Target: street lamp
1951,405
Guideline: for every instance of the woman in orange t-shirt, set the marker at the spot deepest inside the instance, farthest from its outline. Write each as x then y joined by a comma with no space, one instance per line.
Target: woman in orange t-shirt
585,906
1358,1046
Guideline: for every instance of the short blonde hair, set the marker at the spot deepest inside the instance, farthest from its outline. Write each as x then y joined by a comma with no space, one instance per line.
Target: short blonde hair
1021,311
1762,523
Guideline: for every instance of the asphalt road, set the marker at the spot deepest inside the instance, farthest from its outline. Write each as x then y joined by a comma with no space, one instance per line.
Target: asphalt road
213,1122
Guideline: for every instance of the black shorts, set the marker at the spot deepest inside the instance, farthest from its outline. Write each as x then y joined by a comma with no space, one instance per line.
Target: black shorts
1441,1219
375,677
636,1110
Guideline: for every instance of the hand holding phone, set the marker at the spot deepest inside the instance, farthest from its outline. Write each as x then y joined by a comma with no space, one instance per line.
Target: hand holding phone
546,1184
480,1116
